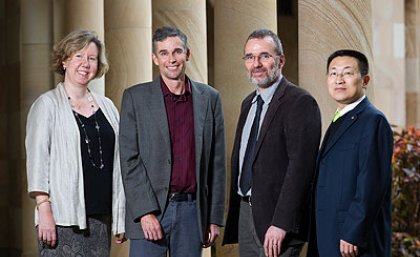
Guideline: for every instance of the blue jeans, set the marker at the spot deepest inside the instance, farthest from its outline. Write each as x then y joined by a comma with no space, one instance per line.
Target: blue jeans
181,236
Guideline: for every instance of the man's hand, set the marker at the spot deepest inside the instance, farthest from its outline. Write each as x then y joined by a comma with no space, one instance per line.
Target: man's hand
348,250
151,227
272,241
214,232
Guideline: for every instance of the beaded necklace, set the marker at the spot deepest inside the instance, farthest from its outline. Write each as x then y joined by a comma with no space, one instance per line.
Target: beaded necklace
98,131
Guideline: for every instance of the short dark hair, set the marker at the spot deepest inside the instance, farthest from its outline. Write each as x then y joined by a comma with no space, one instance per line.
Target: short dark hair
362,61
164,32
262,33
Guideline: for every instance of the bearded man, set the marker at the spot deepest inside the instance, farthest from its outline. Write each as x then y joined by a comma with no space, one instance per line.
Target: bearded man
273,157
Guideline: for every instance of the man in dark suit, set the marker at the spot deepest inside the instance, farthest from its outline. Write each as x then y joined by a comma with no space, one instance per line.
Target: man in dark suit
352,210
172,148
273,157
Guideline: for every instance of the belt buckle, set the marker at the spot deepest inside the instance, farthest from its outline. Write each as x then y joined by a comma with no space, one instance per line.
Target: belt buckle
172,197
179,197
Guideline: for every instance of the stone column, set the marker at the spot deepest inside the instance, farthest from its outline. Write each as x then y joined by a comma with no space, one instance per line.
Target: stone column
412,23
190,17
4,130
80,14
288,32
35,79
233,22
128,27
388,64
326,26
11,169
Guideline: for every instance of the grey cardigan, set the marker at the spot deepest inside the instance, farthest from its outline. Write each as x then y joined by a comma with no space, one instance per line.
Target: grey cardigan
53,159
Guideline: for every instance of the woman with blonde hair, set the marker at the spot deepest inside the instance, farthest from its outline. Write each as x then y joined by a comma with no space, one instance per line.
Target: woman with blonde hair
73,167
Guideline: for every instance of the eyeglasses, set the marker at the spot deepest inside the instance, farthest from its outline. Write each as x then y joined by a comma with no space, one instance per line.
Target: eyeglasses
345,74
264,57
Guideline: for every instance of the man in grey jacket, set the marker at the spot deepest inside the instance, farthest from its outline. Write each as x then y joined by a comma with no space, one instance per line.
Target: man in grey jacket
172,157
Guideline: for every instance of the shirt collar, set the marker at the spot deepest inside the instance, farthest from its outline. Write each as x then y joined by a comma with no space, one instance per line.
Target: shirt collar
351,106
268,93
166,92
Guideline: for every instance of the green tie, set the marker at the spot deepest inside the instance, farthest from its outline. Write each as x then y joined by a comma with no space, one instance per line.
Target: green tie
336,116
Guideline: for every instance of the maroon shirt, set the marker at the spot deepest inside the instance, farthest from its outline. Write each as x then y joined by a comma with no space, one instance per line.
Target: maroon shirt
179,110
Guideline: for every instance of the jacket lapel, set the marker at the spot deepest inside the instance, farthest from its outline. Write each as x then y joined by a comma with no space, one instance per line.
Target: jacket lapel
200,106
322,148
275,103
350,119
157,109
243,115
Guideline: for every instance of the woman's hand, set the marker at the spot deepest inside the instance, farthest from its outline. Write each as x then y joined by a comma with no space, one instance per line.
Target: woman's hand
46,225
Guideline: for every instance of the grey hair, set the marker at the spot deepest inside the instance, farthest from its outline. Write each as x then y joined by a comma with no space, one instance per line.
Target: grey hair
262,33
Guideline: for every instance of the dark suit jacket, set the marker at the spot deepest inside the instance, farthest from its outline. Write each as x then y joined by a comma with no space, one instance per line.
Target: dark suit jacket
353,189
284,164
145,151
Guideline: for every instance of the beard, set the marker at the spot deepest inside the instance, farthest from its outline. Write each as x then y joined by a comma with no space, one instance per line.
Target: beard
271,78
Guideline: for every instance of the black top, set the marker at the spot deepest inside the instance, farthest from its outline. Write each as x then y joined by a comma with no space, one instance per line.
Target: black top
97,182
